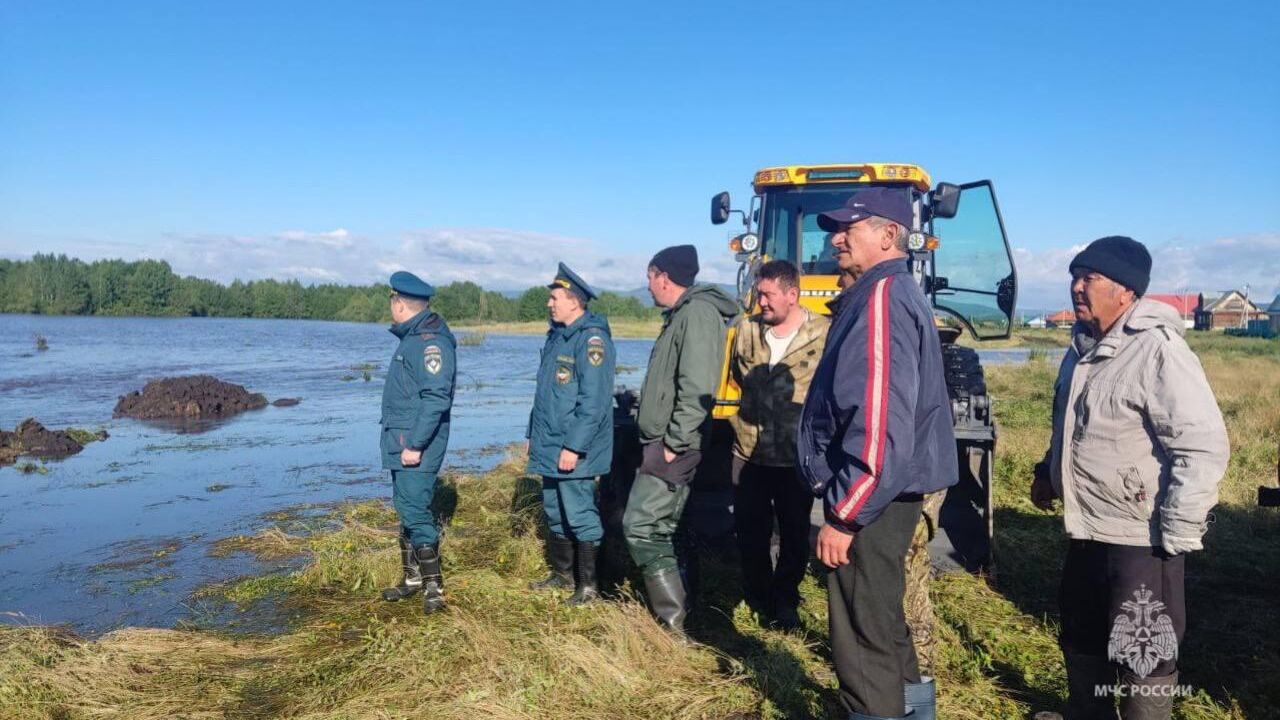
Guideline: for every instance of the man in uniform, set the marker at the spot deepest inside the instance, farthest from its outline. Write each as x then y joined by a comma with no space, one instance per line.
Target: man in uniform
674,420
416,403
875,437
773,358
571,433
1137,452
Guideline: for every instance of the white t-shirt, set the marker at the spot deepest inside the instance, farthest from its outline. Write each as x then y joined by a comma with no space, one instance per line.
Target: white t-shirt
778,345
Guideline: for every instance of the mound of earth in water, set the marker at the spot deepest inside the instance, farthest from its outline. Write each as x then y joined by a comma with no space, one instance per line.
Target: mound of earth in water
187,398
35,440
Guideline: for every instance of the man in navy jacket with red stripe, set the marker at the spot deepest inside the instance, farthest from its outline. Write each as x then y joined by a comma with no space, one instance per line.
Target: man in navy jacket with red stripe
875,437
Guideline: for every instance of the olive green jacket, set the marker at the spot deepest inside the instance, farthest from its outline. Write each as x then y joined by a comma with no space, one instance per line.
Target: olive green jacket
765,425
684,369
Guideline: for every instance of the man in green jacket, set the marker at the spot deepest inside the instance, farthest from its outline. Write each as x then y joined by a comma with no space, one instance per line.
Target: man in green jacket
416,404
774,355
571,433
674,420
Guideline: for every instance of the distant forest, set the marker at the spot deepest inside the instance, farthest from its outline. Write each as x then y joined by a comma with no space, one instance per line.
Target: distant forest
58,285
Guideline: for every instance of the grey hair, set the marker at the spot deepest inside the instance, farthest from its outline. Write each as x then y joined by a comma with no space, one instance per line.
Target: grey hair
899,232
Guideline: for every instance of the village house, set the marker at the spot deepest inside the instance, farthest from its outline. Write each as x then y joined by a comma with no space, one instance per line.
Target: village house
1227,310
1273,311
1060,319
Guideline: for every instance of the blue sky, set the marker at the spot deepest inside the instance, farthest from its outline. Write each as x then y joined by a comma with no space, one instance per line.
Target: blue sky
487,141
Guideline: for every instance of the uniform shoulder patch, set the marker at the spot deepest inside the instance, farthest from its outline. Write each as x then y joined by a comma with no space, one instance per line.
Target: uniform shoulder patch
432,359
595,350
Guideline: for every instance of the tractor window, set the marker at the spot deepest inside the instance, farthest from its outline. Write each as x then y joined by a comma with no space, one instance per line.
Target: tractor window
790,229
975,261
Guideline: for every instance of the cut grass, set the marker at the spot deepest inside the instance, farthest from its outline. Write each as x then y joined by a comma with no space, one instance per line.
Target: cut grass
502,651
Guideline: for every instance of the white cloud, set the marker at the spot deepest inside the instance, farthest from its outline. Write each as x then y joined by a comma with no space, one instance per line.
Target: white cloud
1177,266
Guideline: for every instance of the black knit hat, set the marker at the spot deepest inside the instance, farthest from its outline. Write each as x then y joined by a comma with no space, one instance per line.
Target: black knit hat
679,262
1120,258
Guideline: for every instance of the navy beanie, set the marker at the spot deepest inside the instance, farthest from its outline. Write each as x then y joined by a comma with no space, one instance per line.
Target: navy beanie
1120,258
679,262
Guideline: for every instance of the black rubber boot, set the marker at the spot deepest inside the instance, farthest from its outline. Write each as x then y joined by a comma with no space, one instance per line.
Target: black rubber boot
1085,673
586,590
1147,698
560,558
432,580
667,599
411,582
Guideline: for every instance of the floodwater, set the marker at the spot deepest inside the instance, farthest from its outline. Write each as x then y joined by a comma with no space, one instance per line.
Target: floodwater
120,534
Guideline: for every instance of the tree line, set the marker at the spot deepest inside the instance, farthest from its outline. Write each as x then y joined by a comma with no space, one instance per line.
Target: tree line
58,285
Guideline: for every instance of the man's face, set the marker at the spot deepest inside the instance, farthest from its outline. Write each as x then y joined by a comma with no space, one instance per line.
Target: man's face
398,310
658,286
858,246
776,304
562,306
1098,300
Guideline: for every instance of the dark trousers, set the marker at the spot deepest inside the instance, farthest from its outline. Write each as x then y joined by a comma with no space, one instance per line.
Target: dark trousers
1123,603
570,508
870,640
411,494
761,495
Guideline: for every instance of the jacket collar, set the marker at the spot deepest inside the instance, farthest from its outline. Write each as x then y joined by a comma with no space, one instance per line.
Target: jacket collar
423,320
567,331
1108,345
882,269
811,329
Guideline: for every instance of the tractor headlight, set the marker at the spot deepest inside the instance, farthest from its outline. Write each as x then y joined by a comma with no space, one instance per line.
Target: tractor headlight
750,243
916,241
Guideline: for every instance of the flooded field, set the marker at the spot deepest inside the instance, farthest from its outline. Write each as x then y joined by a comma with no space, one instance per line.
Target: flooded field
121,533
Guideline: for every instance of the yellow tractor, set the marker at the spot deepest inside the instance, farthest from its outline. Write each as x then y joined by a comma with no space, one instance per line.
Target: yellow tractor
960,256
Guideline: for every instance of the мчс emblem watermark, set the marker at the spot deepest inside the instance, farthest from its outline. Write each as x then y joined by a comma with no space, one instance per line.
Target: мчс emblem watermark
1142,637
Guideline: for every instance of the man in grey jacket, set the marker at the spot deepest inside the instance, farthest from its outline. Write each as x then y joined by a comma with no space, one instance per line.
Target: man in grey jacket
1137,451
673,420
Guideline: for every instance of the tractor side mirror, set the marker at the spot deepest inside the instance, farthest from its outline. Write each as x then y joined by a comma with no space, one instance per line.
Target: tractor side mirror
720,208
944,200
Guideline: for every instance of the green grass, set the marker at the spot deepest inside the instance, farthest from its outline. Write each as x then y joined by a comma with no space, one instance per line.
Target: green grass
501,651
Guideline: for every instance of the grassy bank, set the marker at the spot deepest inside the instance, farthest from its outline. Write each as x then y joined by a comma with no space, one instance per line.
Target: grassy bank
504,652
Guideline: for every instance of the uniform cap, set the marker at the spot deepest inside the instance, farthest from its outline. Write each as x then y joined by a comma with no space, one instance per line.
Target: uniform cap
569,280
408,284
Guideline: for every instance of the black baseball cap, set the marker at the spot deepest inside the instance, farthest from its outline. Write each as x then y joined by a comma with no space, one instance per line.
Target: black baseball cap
889,203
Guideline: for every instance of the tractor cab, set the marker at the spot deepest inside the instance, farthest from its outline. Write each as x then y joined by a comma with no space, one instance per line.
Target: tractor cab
960,256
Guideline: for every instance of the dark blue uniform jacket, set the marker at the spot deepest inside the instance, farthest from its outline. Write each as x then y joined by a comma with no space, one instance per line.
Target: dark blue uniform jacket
877,421
418,396
573,404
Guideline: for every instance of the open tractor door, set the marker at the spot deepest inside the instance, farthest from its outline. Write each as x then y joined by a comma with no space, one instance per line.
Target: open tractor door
961,258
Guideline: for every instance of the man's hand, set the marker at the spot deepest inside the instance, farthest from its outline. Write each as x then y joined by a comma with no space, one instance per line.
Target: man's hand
668,454
833,546
568,460
409,457
1042,489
